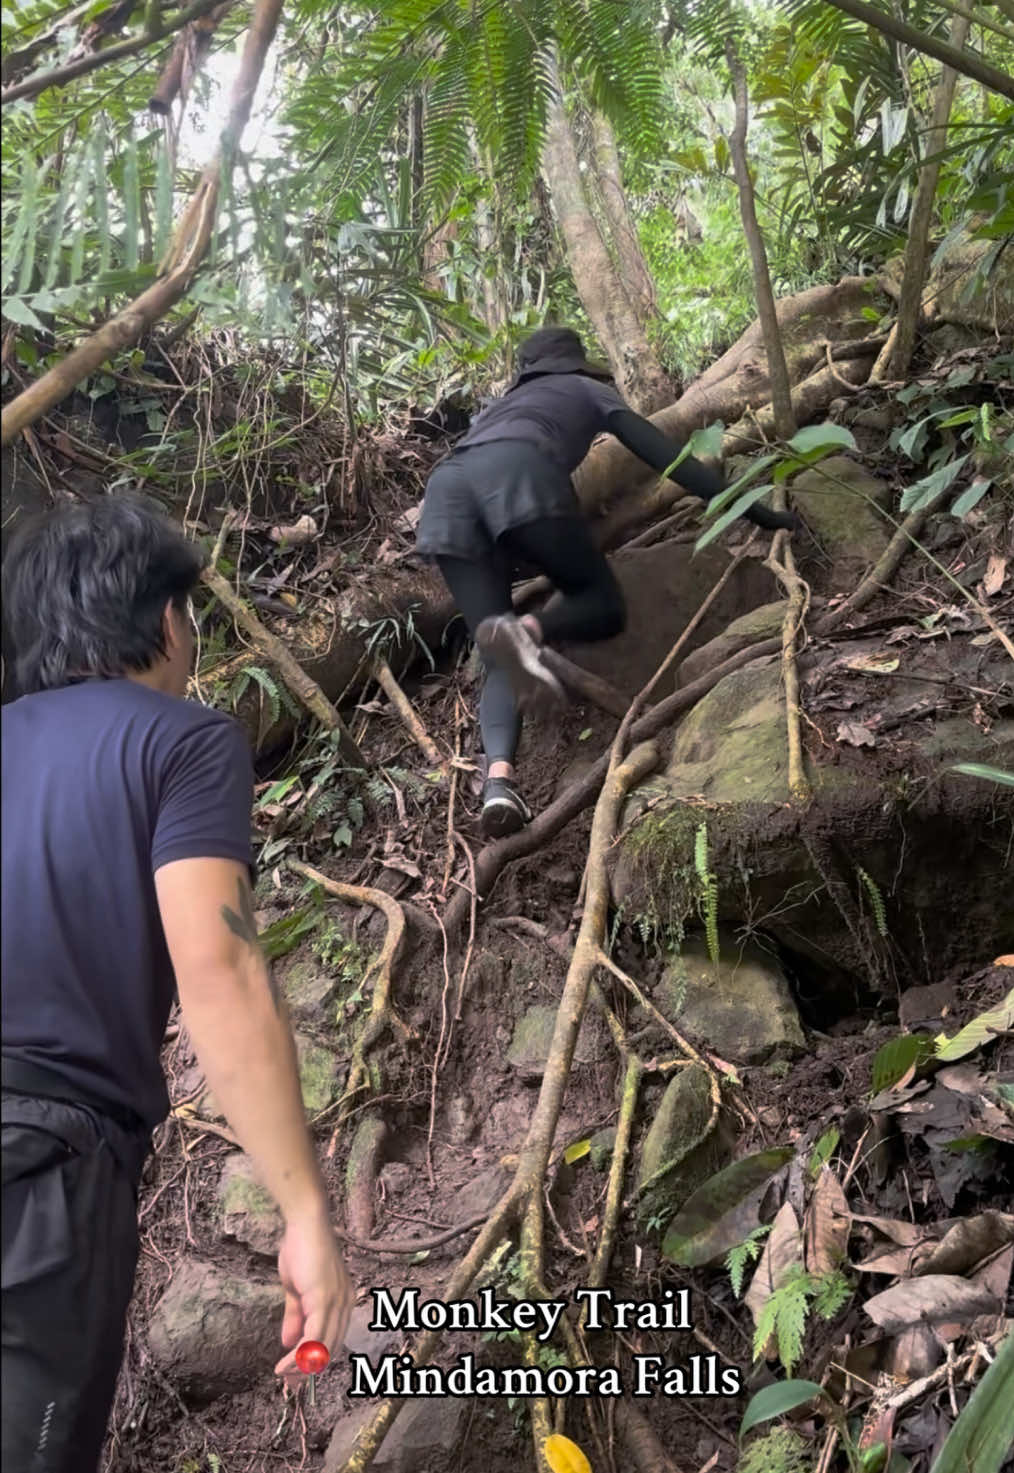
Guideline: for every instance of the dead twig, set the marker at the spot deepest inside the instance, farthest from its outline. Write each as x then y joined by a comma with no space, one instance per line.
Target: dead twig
782,563
407,714
288,667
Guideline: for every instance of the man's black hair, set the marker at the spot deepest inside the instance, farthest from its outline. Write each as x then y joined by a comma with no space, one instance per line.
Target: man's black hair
85,587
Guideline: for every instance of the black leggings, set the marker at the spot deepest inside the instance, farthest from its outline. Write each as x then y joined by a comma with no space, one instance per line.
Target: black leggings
588,605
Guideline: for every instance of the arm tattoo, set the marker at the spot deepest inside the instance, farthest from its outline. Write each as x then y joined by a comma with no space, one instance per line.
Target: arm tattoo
244,926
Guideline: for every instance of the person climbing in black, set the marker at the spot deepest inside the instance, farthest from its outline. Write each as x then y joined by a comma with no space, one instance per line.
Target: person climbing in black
503,497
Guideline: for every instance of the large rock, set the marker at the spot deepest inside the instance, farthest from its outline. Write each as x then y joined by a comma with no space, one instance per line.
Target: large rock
533,1036
310,992
740,1007
682,1149
318,1074
664,587
897,859
425,1428
758,624
835,500
216,1334
249,1212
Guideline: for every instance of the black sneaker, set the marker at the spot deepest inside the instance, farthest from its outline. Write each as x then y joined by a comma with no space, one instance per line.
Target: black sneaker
504,811
505,642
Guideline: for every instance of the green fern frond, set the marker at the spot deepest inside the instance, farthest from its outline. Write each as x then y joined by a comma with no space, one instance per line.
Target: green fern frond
784,1316
739,1258
876,900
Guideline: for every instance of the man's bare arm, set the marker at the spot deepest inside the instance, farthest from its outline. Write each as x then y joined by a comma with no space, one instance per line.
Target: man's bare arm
237,1023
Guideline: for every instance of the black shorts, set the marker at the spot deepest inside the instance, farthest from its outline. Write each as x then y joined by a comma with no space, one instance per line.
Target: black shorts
482,491
70,1246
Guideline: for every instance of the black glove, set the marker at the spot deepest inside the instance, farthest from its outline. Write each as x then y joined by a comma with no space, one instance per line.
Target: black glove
771,521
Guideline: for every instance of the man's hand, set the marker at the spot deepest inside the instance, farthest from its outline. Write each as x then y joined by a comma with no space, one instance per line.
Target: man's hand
318,1291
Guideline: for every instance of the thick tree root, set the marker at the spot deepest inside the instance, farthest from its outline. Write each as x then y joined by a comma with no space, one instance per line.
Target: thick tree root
407,714
382,1012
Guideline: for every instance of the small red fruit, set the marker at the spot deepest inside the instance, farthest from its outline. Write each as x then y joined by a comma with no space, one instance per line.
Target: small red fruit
312,1357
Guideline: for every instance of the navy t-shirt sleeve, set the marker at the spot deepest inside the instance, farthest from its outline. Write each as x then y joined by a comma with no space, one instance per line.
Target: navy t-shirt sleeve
206,798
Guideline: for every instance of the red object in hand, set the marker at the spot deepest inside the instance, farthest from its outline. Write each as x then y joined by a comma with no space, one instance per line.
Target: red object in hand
312,1357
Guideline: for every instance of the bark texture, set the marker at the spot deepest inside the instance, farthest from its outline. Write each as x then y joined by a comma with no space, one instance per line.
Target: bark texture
917,245
622,230
639,376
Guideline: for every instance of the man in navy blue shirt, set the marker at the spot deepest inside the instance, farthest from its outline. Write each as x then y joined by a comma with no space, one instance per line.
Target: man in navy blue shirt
126,852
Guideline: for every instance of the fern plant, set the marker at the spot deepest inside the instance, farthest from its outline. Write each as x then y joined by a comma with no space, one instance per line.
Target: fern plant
785,1314
709,891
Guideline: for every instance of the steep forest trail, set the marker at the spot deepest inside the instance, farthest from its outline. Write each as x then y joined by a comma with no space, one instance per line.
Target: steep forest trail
750,1102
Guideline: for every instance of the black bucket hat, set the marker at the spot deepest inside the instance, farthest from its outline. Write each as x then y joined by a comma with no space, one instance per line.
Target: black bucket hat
556,350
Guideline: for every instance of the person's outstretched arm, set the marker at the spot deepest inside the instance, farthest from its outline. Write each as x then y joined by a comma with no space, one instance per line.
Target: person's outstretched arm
240,1032
641,437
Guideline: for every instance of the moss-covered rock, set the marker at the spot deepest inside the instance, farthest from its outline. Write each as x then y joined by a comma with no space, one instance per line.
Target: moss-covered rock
318,1074
740,1007
215,1333
758,624
309,990
835,499
248,1211
895,859
533,1037
683,1146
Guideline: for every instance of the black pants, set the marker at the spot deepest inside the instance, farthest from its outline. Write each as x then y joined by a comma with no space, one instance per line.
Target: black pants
70,1247
588,605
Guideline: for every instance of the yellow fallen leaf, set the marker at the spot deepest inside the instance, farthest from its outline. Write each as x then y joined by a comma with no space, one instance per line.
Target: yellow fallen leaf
576,1151
564,1456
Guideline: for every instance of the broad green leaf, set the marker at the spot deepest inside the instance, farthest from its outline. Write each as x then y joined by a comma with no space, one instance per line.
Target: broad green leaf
82,191
921,493
16,309
824,1149
576,1151
893,1061
101,193
693,1238
163,200
822,437
979,1031
284,935
25,223
54,256
970,498
983,1435
753,471
738,507
775,1401
990,774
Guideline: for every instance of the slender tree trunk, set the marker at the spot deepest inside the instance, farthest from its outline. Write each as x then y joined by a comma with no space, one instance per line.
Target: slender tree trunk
622,230
778,371
638,374
917,245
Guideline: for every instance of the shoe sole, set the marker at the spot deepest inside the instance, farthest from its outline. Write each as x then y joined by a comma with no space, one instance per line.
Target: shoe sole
500,819
537,688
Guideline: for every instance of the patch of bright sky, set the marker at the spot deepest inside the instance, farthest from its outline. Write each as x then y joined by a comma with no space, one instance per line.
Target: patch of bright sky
206,112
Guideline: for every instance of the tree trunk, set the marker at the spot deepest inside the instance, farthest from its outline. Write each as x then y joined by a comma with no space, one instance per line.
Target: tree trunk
638,374
622,230
917,245
778,371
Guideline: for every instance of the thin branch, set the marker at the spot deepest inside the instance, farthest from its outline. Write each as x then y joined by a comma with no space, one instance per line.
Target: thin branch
968,63
407,714
59,76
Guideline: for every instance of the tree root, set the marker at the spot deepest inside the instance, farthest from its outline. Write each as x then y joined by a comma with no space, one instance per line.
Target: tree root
783,565
646,1452
361,1176
617,1167
407,714
592,688
382,1012
288,667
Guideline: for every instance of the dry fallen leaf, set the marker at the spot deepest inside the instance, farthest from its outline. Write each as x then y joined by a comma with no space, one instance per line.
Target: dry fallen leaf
935,1299
855,734
782,1252
968,1242
828,1223
996,571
